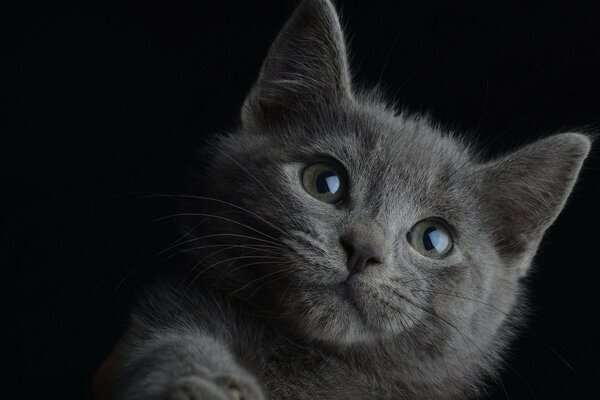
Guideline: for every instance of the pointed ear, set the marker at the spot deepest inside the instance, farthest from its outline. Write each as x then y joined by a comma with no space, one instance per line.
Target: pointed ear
306,67
524,192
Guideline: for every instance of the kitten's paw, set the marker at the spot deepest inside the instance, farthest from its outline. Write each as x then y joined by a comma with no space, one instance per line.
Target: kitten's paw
203,387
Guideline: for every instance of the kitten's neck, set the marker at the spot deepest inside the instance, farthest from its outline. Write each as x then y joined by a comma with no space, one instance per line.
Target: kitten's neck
392,367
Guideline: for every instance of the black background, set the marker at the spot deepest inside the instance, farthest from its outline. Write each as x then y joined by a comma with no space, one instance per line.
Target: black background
100,101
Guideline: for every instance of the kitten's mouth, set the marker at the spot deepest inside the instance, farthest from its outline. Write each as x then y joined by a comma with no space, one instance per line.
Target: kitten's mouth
347,291
345,311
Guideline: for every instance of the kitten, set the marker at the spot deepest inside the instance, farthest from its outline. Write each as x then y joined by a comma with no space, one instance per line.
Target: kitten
343,251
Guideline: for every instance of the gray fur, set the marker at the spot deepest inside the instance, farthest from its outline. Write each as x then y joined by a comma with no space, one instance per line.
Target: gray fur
263,314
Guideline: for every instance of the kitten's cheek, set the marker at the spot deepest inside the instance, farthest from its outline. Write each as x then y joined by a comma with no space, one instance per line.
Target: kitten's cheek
280,292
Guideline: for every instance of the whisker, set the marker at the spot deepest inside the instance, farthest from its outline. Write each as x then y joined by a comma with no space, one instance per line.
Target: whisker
198,275
179,241
154,221
265,284
267,248
285,291
230,272
219,201
256,247
225,219
132,231
463,298
280,245
506,314
263,186
258,279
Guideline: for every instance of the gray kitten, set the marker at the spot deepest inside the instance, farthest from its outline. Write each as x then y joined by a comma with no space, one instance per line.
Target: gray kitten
343,251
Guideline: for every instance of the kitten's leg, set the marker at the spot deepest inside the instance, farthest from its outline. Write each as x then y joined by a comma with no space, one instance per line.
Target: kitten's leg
184,365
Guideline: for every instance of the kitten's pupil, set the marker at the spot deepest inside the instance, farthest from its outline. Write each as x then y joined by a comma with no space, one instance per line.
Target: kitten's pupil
327,182
427,239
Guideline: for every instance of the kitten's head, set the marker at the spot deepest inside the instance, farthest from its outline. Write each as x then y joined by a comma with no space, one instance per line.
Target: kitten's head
363,224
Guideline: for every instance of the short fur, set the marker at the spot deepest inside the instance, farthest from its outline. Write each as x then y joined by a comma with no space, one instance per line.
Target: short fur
269,310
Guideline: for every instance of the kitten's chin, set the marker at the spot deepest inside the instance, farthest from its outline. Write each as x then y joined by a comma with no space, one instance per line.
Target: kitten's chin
342,314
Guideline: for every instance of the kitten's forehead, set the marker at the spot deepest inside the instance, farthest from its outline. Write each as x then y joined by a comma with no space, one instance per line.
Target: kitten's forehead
385,152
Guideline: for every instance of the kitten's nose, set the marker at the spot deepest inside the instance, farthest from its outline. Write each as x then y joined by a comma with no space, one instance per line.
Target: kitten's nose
364,245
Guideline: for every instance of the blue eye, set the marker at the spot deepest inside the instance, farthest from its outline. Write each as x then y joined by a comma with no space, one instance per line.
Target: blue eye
431,238
324,181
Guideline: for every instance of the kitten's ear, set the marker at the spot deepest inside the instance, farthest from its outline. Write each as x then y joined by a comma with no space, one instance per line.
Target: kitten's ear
306,67
524,192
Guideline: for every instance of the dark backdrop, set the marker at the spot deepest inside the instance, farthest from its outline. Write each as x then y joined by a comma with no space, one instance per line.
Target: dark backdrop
103,100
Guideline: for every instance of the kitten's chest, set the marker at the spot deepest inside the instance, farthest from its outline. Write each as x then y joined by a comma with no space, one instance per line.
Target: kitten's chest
302,373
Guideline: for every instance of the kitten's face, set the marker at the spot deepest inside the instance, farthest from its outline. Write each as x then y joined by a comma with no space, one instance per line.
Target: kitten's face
365,225
396,185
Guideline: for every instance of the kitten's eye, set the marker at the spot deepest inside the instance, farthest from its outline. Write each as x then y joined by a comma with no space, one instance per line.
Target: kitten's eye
325,181
431,238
